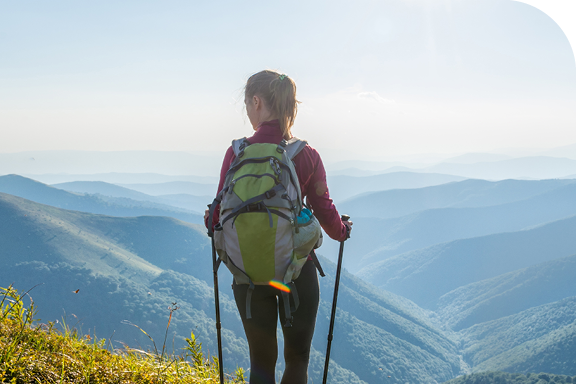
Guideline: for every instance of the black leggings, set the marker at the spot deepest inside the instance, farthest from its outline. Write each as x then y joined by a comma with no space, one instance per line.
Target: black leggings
260,330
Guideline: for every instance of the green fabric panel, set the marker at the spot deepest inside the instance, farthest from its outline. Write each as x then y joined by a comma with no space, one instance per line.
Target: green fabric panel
249,187
257,244
261,150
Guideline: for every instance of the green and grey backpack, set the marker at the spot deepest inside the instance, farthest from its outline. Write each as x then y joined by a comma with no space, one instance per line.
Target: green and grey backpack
264,235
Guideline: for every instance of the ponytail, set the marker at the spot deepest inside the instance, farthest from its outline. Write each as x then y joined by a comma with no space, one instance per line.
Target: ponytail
279,94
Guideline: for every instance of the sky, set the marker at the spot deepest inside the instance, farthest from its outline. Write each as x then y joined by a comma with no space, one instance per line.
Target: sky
377,79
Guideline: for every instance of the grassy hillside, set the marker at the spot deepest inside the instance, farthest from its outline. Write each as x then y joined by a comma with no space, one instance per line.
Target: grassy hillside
376,240
35,352
534,340
508,294
70,250
466,193
45,194
425,275
129,270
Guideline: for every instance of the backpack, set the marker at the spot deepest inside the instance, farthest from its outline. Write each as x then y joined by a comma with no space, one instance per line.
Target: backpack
265,233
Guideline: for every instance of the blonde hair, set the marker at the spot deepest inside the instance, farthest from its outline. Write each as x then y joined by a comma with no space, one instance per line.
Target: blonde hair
278,92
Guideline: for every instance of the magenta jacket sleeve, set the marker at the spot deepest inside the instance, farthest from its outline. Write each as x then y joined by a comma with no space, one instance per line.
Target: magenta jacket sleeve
228,159
316,191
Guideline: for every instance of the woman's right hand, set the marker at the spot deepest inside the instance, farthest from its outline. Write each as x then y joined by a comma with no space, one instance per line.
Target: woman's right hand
348,225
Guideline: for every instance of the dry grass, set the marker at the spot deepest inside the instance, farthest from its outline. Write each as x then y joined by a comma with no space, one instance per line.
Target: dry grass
49,353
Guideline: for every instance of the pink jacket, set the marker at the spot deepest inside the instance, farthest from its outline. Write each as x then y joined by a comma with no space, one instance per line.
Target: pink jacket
311,175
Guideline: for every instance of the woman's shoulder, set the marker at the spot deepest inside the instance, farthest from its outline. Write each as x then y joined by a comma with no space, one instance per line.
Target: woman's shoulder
309,159
310,151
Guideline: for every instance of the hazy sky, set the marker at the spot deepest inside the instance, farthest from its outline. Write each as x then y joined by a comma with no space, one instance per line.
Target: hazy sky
376,78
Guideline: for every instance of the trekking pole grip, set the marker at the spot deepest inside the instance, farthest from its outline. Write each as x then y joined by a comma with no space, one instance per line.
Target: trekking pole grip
346,218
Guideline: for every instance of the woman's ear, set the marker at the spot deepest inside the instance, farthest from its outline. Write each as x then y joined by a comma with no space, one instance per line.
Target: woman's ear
256,102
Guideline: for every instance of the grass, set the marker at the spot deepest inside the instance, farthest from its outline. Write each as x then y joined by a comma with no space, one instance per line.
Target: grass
33,352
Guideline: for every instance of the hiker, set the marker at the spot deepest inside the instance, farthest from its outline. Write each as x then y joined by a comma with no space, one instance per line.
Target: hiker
271,106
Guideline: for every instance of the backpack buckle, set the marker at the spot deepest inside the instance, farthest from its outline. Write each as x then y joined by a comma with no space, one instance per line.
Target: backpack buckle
254,207
282,146
270,194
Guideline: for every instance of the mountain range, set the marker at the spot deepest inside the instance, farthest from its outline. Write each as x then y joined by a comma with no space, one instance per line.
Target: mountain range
456,302
485,166
110,272
343,187
424,275
470,193
379,239
185,201
45,194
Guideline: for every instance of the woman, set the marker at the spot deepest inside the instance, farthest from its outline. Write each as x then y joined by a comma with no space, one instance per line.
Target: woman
271,106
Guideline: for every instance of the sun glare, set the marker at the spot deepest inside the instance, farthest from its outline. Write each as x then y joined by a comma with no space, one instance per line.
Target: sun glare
279,285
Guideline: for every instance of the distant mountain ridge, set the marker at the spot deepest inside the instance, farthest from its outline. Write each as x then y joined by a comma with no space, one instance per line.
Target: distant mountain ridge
343,187
174,187
547,165
103,188
185,201
534,167
119,178
45,194
377,240
468,193
94,162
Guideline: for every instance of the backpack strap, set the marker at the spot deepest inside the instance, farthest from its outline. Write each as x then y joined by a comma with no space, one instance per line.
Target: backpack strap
294,146
238,145
249,300
317,263
287,309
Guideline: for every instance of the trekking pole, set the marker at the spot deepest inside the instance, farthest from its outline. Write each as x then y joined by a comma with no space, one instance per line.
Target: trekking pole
334,300
215,265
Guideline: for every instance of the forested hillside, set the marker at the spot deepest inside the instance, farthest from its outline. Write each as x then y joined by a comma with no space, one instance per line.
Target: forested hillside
512,378
426,274
537,339
508,294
